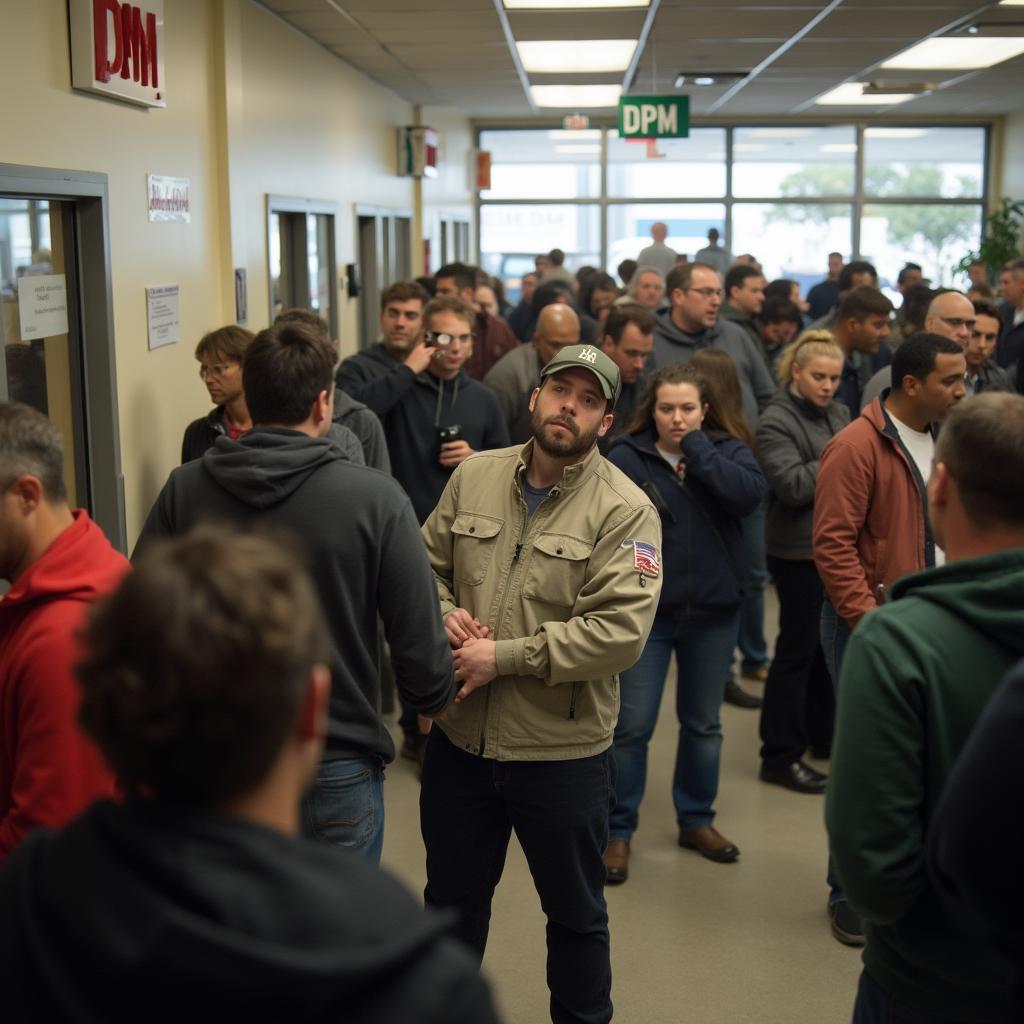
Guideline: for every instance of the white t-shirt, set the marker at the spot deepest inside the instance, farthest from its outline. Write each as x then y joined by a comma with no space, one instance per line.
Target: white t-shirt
669,457
922,450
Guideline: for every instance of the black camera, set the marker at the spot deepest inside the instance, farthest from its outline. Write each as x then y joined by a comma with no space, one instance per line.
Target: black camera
437,340
452,433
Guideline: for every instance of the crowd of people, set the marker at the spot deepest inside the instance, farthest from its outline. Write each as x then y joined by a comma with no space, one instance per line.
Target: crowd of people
513,517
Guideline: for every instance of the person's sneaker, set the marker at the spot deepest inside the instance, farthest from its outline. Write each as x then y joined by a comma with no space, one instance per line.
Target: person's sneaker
738,697
616,861
755,675
846,923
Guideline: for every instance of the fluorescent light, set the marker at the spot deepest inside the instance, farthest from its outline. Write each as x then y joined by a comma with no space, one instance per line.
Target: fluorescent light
1011,3
573,150
838,147
957,53
573,97
566,135
563,5
779,133
896,133
852,95
576,56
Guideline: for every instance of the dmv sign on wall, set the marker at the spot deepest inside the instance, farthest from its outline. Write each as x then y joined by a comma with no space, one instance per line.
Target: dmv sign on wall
654,117
117,50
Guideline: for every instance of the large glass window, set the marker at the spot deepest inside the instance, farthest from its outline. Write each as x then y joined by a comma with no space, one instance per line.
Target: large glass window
798,162
543,164
629,227
692,168
791,239
511,235
946,163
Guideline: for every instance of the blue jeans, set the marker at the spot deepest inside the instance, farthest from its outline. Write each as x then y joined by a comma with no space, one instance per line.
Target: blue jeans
750,632
703,650
346,806
469,806
834,635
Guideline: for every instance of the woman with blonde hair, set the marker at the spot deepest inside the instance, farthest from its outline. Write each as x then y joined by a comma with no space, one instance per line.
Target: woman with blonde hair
800,420
702,480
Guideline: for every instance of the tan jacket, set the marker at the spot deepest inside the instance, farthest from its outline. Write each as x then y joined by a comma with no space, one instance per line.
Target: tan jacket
560,592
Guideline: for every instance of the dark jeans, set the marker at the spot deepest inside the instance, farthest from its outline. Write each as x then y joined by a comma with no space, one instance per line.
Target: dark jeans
799,702
346,805
469,806
834,635
875,1006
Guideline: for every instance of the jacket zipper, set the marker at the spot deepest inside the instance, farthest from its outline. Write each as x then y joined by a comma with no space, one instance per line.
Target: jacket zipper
572,702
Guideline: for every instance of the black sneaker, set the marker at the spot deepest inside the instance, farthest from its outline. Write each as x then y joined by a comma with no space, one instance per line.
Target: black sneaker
738,697
846,923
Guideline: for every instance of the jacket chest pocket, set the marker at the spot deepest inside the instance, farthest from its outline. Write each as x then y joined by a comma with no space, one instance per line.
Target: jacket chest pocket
475,538
558,569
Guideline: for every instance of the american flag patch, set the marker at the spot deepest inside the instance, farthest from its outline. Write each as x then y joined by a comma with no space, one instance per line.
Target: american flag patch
645,557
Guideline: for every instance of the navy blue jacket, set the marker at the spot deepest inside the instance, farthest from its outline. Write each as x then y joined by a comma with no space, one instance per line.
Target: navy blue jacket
702,544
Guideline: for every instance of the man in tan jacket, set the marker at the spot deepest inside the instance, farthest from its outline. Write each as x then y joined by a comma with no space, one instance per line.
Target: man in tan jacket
547,560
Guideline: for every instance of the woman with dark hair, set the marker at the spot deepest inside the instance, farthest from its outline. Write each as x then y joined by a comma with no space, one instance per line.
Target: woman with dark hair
681,451
597,293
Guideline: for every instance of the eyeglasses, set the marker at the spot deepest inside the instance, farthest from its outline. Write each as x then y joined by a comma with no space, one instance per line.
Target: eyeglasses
442,340
218,370
708,293
956,322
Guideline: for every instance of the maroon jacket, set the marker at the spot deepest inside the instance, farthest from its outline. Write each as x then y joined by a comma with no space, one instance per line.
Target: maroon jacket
49,771
870,518
492,338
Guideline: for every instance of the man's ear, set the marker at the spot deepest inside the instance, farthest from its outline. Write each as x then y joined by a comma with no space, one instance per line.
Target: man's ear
533,398
322,407
311,722
939,485
607,345
606,424
29,492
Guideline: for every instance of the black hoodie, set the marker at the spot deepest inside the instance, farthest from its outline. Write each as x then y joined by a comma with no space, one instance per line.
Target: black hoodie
155,913
365,555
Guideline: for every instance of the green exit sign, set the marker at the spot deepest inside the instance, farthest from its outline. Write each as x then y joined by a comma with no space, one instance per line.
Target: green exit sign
654,117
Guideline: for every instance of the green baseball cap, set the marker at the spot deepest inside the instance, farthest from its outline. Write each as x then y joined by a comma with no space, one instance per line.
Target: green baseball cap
586,357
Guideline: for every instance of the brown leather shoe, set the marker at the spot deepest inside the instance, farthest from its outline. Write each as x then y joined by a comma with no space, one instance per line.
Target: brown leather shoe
710,843
616,861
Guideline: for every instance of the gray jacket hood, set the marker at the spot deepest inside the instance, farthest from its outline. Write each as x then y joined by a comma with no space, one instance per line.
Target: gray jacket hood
268,464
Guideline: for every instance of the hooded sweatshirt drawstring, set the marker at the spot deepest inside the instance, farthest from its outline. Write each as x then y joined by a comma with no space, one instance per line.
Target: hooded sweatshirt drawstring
440,398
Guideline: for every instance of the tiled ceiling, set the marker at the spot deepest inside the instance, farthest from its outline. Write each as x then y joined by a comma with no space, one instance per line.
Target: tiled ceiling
456,52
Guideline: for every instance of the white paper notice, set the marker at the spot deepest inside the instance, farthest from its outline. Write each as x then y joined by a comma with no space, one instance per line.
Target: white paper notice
42,305
169,198
162,315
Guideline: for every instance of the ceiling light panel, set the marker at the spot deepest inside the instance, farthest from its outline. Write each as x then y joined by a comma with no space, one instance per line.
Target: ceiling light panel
957,53
569,5
852,95
575,97
580,56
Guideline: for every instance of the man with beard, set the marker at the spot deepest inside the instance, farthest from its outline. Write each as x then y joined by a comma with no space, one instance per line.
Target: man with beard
547,565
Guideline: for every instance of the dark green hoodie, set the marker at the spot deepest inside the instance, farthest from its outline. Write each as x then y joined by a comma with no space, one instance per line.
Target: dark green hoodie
916,675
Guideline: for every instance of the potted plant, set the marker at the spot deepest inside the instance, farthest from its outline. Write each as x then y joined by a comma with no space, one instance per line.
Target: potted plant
1000,238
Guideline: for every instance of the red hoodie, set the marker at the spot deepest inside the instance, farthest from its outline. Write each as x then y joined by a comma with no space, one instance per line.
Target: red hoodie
49,771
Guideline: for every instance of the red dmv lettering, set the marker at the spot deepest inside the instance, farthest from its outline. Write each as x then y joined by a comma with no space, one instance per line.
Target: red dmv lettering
135,46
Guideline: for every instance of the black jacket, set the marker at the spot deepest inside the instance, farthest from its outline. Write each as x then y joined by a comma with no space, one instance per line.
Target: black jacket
164,914
1010,347
702,543
365,555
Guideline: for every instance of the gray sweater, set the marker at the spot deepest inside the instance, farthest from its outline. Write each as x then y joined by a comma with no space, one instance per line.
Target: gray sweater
790,439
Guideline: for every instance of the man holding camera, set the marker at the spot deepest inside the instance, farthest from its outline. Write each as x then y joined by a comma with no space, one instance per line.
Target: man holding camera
438,415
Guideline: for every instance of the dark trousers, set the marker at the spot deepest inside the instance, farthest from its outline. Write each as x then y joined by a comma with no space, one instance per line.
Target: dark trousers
799,702
469,806
875,1006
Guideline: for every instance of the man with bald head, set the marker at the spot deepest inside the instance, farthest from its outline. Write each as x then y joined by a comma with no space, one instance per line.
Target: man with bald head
514,377
950,314
658,255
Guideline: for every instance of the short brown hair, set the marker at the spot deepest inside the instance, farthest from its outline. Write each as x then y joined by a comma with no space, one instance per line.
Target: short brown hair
286,367
862,302
1016,266
295,315
676,373
229,342
31,445
196,665
448,304
403,291
982,446
620,317
681,275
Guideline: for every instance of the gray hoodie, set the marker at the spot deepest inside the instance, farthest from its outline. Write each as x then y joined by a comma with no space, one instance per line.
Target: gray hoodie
364,553
672,345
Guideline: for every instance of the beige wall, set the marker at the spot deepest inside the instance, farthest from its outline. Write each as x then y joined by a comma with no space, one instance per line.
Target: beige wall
451,193
254,108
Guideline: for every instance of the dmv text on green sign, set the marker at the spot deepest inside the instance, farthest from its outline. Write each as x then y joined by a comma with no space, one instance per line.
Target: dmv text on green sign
654,117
